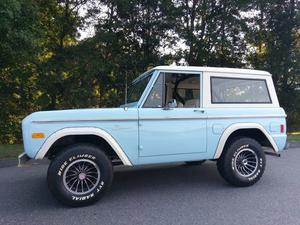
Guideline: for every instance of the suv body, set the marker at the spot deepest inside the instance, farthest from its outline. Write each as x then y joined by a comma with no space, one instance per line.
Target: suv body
173,114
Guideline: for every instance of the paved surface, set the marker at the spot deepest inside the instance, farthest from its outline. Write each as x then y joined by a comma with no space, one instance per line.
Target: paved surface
171,194
8,162
294,144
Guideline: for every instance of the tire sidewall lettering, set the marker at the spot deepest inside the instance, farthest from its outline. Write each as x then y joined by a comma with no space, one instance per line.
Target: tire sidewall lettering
72,158
89,196
84,156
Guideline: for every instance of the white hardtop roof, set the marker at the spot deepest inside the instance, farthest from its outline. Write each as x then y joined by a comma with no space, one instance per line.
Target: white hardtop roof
213,69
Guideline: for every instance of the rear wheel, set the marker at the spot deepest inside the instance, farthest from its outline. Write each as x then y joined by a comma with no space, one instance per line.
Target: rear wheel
79,175
242,163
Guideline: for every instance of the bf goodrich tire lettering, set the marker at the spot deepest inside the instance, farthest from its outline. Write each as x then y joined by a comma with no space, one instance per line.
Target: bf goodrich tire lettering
80,175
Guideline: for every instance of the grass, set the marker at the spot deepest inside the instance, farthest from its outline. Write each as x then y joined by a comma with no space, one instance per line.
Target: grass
294,136
10,151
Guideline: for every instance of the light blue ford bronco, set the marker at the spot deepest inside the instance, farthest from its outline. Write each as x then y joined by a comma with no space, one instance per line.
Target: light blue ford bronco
172,114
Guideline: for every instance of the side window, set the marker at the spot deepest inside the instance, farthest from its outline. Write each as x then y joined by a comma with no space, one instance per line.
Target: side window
184,88
235,90
136,90
155,98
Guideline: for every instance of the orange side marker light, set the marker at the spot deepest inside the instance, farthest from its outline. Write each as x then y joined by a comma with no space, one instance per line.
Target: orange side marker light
37,135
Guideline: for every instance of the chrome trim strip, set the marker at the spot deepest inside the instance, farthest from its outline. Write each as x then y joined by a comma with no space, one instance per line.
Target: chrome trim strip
164,118
82,120
83,131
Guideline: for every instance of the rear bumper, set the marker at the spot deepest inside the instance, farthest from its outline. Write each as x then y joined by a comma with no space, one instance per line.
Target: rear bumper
22,159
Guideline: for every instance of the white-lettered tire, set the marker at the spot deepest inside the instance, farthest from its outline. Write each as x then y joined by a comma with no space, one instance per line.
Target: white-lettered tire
242,163
79,175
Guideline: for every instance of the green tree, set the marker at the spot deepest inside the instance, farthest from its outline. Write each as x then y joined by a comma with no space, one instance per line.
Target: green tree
212,32
19,46
60,23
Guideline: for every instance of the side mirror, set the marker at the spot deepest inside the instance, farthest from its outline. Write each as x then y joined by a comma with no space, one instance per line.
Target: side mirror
172,103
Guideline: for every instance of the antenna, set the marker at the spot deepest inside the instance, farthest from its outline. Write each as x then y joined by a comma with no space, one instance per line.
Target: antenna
125,89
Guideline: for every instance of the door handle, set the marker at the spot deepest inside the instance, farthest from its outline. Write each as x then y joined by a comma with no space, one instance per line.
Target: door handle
199,110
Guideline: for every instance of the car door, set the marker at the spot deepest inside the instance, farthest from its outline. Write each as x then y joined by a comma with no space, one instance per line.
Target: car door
171,120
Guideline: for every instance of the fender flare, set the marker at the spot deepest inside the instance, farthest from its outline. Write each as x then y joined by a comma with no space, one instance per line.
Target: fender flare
83,131
238,126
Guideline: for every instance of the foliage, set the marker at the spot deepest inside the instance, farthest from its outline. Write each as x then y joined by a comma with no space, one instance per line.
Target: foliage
10,151
44,64
19,46
212,32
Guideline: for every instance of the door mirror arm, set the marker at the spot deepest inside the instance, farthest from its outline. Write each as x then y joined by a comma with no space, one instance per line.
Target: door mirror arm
172,103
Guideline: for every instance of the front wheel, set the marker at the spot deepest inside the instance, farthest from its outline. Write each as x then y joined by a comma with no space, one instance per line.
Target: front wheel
79,175
242,163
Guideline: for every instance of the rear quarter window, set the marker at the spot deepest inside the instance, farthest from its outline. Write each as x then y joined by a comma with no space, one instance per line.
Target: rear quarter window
239,90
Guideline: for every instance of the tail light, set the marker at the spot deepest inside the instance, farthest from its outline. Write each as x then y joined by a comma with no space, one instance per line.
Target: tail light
281,128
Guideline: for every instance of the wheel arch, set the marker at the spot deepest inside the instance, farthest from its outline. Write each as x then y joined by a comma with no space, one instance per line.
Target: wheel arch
252,130
102,135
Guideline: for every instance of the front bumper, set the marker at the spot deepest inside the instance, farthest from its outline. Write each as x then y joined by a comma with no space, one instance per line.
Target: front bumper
22,159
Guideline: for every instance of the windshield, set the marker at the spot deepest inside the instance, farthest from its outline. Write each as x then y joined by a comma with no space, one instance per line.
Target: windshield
136,90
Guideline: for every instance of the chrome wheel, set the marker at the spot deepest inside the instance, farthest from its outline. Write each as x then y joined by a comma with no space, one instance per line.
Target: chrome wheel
81,176
245,162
